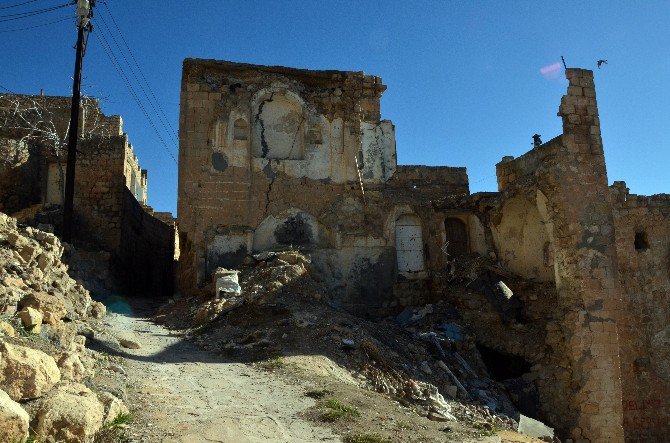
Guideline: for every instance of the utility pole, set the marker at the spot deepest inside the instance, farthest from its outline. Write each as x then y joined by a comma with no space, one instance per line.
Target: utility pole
84,14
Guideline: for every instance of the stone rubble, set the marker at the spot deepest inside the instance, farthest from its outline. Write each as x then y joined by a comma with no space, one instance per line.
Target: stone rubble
44,363
436,372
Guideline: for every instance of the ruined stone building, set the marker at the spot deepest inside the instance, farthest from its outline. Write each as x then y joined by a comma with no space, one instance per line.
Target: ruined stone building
110,201
273,157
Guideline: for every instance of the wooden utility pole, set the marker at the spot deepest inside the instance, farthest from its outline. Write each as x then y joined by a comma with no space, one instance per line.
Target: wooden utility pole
84,14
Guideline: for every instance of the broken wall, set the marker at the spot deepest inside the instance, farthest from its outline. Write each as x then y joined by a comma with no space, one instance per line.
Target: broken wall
274,157
107,173
643,250
565,179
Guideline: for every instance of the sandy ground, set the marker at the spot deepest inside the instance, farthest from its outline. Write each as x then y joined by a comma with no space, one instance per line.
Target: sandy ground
181,393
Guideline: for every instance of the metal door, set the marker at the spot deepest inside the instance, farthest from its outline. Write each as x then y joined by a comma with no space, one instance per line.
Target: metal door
409,244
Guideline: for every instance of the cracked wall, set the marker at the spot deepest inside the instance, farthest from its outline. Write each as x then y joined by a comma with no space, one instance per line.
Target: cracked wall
589,263
274,157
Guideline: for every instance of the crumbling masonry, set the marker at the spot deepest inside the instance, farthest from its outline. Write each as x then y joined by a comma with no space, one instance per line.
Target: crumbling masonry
272,157
110,187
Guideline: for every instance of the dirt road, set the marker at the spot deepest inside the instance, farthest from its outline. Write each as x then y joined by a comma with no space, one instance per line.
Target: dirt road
184,394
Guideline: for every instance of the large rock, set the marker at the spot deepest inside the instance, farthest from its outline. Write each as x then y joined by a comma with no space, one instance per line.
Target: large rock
77,302
71,367
97,310
113,406
31,319
51,307
7,329
14,421
26,373
71,412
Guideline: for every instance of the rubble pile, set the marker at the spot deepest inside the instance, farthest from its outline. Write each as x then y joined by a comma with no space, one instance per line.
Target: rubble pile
45,368
423,358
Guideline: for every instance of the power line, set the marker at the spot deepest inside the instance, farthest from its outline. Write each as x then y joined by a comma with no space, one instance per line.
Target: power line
18,4
135,76
162,115
119,69
36,26
10,17
11,92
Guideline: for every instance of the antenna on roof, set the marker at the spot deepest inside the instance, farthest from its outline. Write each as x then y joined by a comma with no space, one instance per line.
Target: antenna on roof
564,65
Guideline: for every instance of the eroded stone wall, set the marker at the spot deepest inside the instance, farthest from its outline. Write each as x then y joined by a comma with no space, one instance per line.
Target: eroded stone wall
274,157
110,186
643,250
566,181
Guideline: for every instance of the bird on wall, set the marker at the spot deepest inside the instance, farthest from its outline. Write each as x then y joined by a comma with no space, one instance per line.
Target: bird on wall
601,62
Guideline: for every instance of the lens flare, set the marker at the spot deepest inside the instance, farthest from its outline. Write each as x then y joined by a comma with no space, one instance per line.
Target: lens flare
551,71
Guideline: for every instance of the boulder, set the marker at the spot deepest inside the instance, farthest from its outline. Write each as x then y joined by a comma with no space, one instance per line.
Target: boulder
113,406
31,319
97,310
51,307
26,373
77,302
128,341
14,421
7,329
71,412
71,367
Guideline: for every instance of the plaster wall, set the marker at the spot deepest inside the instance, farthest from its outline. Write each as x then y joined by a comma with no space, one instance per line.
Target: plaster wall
522,242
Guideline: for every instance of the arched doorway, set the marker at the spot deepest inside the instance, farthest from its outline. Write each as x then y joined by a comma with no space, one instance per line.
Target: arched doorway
409,244
457,237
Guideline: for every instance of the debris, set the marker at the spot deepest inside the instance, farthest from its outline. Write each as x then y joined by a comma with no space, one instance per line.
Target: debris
534,428
458,384
413,314
505,290
451,331
226,282
426,368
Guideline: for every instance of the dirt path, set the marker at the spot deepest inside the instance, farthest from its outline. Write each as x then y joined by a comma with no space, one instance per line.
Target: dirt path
184,394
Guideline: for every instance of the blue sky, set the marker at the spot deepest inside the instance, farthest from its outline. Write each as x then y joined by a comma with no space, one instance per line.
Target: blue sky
463,77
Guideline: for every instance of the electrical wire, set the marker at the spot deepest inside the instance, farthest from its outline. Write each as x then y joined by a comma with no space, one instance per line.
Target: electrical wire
18,4
136,77
162,115
17,16
119,69
2,31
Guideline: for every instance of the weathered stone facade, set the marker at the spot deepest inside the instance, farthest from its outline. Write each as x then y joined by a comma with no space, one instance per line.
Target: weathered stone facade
272,157
110,187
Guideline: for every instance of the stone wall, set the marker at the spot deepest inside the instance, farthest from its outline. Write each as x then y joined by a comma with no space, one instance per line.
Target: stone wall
146,251
110,186
643,249
565,181
274,157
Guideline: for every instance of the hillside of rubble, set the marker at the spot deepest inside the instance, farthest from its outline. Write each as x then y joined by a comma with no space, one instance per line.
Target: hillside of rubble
48,376
418,376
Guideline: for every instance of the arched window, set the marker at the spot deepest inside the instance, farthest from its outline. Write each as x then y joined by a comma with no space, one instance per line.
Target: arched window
240,129
409,244
278,128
